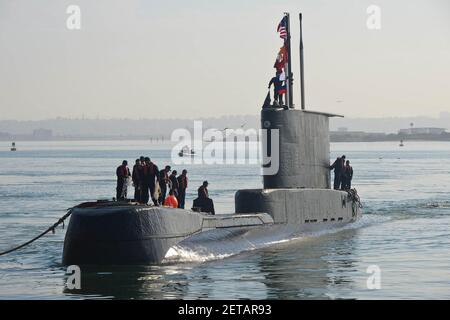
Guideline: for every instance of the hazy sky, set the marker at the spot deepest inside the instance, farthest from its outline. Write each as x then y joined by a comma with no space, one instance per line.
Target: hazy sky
192,58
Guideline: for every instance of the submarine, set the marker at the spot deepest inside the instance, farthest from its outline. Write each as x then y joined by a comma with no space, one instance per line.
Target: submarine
295,199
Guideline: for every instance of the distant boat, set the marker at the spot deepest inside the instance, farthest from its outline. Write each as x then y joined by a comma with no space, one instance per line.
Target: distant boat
13,146
186,152
401,143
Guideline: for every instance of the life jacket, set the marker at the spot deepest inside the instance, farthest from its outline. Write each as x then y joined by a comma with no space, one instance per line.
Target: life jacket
171,201
121,171
163,176
203,192
174,181
182,180
136,169
339,165
151,168
348,170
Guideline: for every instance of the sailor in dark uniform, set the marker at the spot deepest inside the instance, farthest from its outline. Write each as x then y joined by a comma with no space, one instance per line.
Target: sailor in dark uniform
278,90
122,173
338,167
182,186
204,202
150,172
135,177
174,183
347,176
163,181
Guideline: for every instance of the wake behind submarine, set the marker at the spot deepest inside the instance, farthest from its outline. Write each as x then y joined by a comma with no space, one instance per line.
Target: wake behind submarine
296,198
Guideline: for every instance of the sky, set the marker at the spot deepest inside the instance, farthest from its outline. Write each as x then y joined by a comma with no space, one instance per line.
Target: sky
192,58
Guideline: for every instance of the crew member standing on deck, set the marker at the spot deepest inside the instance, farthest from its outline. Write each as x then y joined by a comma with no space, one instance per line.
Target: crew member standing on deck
122,173
182,186
143,185
150,173
348,176
174,186
135,177
338,167
278,89
279,81
277,86
163,181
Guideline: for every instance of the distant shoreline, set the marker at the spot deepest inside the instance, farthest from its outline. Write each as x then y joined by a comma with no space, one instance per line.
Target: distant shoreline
333,139
404,140
379,137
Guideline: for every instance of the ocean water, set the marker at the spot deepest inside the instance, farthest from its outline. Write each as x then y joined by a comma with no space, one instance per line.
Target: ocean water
404,232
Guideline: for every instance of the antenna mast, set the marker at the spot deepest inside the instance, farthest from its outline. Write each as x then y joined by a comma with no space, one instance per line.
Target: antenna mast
289,75
302,79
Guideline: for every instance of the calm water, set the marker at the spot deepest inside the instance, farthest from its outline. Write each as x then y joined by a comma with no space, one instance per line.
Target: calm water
405,229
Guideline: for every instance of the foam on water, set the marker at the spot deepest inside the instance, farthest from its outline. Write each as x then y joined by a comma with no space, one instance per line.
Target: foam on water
221,244
179,254
437,205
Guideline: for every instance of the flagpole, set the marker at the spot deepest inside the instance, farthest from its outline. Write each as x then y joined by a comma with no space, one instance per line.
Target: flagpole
302,78
290,79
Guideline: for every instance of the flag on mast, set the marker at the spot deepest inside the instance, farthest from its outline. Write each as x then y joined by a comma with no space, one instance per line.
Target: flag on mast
282,28
281,60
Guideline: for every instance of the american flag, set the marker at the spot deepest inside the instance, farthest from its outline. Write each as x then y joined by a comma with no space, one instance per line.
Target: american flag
282,28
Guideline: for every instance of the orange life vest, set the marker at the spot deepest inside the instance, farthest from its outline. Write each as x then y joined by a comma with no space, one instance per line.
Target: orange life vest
171,201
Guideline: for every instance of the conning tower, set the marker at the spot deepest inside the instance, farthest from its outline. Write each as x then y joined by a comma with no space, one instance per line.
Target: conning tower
297,178
304,148
298,193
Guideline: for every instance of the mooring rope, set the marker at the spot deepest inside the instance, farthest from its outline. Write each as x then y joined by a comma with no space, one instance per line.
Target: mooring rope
52,229
353,195
356,201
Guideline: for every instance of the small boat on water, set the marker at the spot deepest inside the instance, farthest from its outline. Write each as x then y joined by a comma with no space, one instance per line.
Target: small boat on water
13,146
186,152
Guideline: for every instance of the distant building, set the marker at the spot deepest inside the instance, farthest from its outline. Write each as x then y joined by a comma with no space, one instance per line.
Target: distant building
42,134
411,131
348,133
345,135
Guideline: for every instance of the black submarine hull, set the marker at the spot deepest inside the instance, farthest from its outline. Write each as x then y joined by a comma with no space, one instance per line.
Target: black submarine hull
130,234
136,234
296,198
